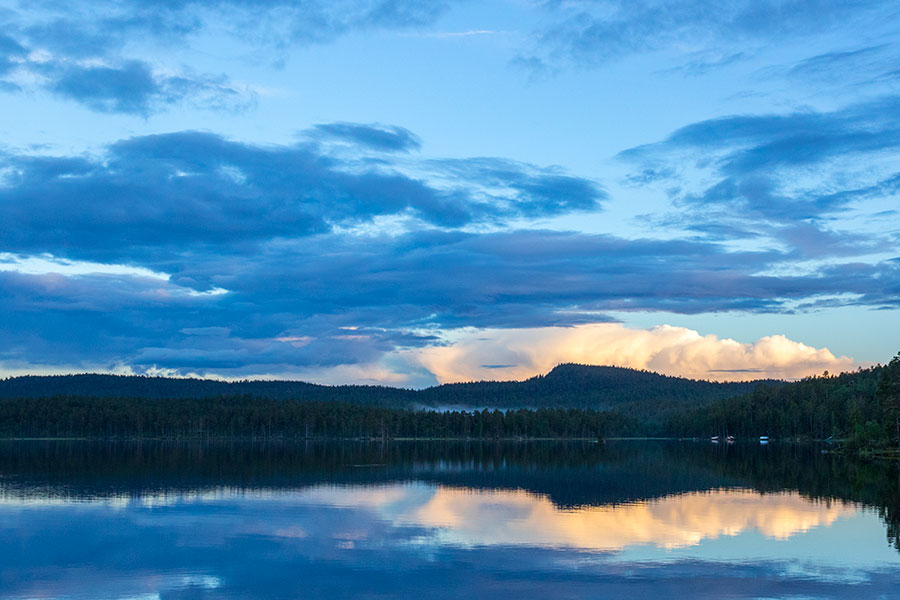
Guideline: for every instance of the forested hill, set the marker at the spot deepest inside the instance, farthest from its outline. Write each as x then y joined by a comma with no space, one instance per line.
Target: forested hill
157,388
570,401
585,386
568,386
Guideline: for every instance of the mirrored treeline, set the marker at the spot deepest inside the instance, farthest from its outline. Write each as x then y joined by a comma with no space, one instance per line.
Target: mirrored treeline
569,473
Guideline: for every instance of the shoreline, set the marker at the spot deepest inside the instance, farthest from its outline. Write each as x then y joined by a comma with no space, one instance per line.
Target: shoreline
741,441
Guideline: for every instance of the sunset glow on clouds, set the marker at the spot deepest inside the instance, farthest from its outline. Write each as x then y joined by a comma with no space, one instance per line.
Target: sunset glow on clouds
228,189
522,353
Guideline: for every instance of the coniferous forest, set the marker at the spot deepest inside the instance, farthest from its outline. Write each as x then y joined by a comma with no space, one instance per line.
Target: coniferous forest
571,401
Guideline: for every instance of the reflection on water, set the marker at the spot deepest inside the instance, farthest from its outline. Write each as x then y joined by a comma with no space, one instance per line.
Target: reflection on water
664,520
501,518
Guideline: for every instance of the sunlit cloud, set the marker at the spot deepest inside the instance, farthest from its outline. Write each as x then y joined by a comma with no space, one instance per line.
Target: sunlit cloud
486,354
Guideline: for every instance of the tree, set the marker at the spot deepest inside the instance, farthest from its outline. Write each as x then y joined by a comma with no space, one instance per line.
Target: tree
889,395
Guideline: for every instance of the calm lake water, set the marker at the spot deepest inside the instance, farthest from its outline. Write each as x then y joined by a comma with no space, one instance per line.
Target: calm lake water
450,520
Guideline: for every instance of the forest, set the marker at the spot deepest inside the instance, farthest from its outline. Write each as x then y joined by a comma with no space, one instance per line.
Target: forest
566,386
861,407
573,401
250,417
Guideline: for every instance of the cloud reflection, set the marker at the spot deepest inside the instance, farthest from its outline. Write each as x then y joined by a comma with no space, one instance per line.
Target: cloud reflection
467,517
416,539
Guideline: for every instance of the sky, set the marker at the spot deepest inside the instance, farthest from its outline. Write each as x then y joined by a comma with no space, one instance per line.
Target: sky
408,193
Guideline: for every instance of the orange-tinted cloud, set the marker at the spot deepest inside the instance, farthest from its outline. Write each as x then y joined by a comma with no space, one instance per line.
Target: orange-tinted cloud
522,353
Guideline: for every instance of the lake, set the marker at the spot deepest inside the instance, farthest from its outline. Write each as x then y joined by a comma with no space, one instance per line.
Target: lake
626,519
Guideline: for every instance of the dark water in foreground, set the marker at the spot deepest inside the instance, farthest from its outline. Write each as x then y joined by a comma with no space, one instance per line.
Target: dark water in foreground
449,520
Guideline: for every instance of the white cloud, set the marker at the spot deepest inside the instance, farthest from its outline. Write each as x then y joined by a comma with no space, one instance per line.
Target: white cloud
521,353
46,264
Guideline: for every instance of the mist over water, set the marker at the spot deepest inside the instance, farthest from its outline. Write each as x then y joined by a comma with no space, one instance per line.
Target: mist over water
335,520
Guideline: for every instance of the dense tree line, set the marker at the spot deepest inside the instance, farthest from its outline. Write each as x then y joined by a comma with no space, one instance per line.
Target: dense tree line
861,406
246,416
567,386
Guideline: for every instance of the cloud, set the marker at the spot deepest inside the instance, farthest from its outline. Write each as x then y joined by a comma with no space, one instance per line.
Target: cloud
837,63
591,34
306,307
387,139
81,28
868,68
11,53
442,35
414,537
534,191
118,86
171,192
800,138
127,89
665,349
80,50
777,174
126,256
133,88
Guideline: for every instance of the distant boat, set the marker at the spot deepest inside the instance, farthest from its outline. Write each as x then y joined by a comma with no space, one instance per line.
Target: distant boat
763,439
730,439
714,439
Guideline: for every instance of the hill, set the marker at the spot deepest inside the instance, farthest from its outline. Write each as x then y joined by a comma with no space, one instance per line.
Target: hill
570,401
640,394
566,386
172,388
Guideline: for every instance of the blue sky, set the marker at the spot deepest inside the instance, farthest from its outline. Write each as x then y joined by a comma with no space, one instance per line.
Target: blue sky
413,192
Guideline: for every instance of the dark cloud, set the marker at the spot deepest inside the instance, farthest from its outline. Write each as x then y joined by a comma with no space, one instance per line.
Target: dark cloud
594,33
388,139
799,138
259,222
128,89
270,273
337,299
157,193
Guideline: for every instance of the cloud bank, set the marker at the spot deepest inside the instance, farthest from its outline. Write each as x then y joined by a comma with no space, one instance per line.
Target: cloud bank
523,353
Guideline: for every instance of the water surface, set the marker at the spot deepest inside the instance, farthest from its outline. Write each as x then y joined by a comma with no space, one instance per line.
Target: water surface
626,519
